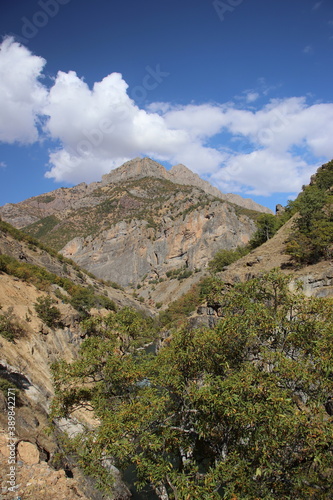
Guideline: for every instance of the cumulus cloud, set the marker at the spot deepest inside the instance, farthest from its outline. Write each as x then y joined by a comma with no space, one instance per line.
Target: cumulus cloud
254,150
102,127
252,97
22,96
285,142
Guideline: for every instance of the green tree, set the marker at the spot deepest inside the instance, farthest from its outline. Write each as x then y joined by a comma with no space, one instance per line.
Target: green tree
47,312
10,327
235,412
312,235
267,225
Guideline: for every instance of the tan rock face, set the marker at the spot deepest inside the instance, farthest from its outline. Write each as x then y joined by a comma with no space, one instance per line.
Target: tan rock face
141,219
130,250
35,480
28,453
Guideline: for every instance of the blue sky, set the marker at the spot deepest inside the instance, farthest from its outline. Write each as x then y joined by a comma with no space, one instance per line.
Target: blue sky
240,91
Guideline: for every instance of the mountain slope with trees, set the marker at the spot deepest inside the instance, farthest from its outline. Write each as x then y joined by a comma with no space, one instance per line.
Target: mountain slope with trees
226,393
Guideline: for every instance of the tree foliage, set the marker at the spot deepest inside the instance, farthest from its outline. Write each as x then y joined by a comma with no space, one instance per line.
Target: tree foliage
47,311
224,257
10,328
312,235
236,412
267,225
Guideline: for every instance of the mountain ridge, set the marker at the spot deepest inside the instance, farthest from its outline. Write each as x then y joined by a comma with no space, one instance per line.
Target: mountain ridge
20,214
178,174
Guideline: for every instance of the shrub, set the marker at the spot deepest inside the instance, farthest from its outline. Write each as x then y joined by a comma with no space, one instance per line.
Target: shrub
47,312
186,273
181,308
225,257
5,385
10,328
103,301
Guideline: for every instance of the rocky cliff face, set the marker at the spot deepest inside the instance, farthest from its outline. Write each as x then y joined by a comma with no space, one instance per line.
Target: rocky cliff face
131,251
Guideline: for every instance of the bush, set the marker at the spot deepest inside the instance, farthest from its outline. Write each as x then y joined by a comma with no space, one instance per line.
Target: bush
181,308
186,273
225,257
10,329
102,301
47,312
5,385
179,273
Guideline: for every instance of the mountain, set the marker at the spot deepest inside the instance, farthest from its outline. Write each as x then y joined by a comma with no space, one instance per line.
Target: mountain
139,223
179,174
50,308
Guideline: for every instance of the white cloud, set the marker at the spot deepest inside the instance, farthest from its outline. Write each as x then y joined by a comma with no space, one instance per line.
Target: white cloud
252,96
263,171
3,164
21,94
287,139
100,128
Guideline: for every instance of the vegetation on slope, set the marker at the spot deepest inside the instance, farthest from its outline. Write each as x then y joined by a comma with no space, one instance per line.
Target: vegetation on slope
81,298
267,226
10,327
311,239
34,244
242,410
312,236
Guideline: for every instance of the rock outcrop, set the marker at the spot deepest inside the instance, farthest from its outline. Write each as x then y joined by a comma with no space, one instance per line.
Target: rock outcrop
129,251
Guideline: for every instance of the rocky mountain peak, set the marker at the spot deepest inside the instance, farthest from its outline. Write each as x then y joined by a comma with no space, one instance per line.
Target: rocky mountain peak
139,168
136,168
181,170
